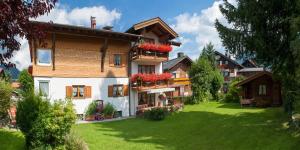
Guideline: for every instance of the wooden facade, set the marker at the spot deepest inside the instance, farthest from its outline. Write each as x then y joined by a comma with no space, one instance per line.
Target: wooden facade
262,89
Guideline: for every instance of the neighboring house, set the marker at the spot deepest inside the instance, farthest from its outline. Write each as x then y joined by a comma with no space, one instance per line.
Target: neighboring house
179,68
261,89
87,64
228,68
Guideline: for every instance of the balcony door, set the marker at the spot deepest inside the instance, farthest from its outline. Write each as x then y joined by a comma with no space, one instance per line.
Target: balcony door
146,69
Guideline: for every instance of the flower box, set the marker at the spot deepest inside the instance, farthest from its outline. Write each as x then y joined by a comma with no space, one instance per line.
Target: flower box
163,48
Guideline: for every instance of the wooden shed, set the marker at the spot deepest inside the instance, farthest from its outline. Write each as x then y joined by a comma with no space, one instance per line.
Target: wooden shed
261,89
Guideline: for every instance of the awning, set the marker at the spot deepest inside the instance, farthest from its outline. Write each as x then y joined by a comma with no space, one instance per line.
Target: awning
160,90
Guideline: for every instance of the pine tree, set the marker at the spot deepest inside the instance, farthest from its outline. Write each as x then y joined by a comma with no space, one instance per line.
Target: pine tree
267,30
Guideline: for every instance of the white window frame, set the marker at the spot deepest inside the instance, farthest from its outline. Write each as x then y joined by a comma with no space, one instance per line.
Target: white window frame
45,81
262,90
44,64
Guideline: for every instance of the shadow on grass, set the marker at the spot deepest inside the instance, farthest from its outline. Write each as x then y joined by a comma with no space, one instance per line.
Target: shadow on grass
11,140
196,130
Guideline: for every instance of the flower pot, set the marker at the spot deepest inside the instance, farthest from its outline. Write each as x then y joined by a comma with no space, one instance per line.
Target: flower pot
90,118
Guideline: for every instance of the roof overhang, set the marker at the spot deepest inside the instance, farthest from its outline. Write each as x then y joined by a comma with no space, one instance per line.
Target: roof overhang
158,21
85,31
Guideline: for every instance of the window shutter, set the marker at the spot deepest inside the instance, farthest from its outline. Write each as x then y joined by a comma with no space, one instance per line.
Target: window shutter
69,91
125,90
110,91
124,60
111,60
88,91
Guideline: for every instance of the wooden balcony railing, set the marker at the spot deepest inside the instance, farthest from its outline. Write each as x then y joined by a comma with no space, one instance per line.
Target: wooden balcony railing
138,54
141,85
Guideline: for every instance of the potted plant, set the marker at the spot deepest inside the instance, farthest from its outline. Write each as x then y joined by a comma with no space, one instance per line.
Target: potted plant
90,113
108,111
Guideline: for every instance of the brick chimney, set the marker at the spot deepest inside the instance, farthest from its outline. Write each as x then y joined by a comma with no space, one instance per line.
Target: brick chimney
93,22
180,54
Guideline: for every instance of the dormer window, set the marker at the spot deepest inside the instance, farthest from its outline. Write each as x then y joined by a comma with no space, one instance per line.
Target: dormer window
44,57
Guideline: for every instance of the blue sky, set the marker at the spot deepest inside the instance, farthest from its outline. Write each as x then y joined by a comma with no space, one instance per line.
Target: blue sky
193,20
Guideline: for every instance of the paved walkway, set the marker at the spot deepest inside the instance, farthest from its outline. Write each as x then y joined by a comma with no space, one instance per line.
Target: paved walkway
106,120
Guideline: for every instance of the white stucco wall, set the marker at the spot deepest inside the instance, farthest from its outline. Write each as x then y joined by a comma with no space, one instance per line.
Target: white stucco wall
57,90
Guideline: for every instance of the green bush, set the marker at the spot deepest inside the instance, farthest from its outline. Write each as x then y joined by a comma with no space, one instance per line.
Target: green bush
92,109
109,109
232,96
73,142
158,113
44,124
5,101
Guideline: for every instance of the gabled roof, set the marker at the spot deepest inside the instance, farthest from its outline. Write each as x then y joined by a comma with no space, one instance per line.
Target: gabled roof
86,31
253,77
150,22
229,59
167,65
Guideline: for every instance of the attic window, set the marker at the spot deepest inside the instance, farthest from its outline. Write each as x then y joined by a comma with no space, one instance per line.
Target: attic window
44,56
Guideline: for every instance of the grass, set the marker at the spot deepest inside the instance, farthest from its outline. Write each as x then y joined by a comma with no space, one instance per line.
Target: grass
11,140
204,126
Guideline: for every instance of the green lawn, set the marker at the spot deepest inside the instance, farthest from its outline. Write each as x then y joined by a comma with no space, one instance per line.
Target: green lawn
205,126
11,140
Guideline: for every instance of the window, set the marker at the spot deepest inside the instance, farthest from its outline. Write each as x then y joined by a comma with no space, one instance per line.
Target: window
78,91
231,70
226,62
118,90
146,69
44,88
117,59
220,62
262,90
174,74
225,73
44,56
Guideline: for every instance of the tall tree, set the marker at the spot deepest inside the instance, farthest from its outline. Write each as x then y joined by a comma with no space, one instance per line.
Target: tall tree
14,24
267,30
209,53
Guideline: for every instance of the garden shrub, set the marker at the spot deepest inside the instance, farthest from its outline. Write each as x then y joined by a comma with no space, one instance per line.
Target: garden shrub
158,113
109,109
73,142
44,124
92,108
5,101
232,96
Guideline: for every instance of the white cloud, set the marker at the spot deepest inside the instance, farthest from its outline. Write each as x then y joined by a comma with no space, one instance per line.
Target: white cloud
76,16
81,16
201,26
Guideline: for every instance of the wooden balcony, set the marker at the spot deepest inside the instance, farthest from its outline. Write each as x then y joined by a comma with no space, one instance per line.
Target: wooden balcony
143,86
141,55
180,81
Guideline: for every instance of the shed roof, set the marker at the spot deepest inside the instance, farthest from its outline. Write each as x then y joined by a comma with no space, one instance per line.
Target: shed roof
253,77
251,70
